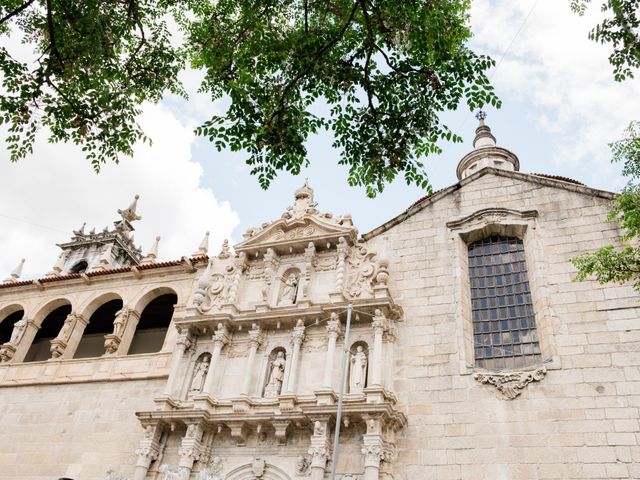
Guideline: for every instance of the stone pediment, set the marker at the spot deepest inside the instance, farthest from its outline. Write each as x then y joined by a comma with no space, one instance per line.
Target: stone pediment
299,225
286,236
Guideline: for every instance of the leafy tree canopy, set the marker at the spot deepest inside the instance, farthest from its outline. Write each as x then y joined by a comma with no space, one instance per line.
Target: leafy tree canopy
620,263
385,68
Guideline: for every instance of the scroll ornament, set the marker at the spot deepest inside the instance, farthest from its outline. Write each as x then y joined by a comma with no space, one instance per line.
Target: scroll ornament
510,384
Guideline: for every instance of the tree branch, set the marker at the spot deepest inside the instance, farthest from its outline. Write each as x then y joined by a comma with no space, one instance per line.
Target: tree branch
15,12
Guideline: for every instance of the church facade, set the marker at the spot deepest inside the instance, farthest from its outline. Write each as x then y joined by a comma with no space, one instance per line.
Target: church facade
462,346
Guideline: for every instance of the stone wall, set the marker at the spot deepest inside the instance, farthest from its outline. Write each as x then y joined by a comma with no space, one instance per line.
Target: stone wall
581,420
77,430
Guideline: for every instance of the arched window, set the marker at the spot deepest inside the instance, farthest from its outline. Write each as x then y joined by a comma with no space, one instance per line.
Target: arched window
79,267
101,322
504,326
6,325
49,329
154,322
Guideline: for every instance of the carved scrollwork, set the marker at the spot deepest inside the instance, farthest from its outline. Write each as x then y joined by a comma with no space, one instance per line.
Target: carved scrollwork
510,384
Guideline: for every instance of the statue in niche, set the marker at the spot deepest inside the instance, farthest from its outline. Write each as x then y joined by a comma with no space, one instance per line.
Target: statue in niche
290,289
358,371
276,376
18,331
200,374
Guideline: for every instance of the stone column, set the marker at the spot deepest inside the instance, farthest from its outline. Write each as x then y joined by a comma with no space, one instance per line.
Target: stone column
147,452
297,337
333,329
373,450
220,339
190,449
379,326
319,450
182,345
17,347
255,338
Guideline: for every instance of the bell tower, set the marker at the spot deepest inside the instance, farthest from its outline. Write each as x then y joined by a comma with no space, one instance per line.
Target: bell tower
94,251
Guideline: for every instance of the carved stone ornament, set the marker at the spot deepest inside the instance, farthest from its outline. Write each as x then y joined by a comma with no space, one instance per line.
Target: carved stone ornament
510,384
6,352
171,472
211,288
18,331
303,466
111,475
365,272
213,470
258,467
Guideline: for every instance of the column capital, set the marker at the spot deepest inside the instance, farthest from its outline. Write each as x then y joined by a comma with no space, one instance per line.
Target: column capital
255,336
183,342
297,335
333,326
221,336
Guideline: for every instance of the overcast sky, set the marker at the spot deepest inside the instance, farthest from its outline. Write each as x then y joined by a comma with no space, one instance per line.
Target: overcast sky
560,109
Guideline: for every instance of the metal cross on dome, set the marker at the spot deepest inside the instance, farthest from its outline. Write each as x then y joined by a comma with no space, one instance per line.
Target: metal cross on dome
481,115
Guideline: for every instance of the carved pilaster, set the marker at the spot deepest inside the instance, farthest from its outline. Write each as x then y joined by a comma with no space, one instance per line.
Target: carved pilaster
191,447
60,343
309,258
341,265
239,266
319,449
271,262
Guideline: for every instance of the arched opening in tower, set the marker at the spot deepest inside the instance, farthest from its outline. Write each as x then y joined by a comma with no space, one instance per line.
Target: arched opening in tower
100,324
153,325
49,329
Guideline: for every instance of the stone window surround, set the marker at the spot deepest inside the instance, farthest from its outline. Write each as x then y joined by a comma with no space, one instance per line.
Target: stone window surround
510,223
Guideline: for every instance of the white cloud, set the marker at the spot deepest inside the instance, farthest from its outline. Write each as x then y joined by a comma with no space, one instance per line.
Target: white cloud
56,188
564,76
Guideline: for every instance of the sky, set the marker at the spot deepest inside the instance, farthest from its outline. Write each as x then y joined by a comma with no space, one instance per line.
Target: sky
560,109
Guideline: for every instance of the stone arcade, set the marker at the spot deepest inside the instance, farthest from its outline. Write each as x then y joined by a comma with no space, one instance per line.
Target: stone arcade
472,353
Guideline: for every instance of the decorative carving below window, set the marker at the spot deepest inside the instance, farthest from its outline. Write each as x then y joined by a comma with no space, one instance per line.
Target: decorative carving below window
510,384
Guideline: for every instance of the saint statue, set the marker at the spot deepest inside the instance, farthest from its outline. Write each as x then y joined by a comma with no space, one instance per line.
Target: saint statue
199,375
276,376
290,289
18,331
118,322
358,372
65,331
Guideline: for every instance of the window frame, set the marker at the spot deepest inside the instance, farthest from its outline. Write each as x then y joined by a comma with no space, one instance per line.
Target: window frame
507,223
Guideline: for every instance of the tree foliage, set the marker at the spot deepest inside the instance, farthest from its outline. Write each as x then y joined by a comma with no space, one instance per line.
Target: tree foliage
620,29
620,263
386,69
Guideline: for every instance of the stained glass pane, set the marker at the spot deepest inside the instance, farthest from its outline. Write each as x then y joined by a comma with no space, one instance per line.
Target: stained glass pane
504,326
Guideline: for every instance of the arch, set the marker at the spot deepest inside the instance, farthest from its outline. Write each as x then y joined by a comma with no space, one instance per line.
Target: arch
79,267
245,472
49,327
156,312
9,315
88,308
100,323
47,308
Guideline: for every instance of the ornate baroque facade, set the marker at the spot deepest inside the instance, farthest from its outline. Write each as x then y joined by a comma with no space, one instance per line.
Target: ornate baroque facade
471,353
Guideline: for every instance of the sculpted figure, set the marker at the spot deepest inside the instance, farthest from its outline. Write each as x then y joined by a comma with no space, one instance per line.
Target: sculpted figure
18,331
358,373
290,289
276,376
118,322
199,375
65,331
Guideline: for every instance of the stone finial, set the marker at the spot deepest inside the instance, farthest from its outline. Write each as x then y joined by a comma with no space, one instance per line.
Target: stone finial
59,266
152,254
129,214
225,251
15,274
484,137
203,248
